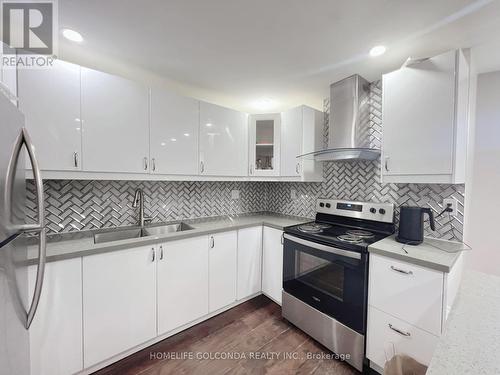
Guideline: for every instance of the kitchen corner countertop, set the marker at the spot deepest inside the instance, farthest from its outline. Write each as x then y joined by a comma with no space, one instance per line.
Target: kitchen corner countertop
470,343
433,253
77,244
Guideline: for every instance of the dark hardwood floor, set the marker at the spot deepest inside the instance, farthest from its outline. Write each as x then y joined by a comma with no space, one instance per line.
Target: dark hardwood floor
253,333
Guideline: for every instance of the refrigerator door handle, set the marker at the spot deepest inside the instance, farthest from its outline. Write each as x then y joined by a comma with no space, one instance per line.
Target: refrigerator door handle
24,138
40,273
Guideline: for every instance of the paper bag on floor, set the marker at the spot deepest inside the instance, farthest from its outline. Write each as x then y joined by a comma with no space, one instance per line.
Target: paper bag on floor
401,364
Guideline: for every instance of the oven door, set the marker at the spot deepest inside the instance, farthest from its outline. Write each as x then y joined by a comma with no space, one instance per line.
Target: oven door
332,280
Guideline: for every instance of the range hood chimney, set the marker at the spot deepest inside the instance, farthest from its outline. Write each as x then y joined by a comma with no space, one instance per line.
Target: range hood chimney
349,135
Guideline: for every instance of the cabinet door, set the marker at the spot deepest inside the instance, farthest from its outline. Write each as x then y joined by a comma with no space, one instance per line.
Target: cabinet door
418,118
50,100
272,264
223,141
264,144
119,302
388,335
291,142
174,133
182,282
222,269
9,76
115,114
389,286
56,331
249,261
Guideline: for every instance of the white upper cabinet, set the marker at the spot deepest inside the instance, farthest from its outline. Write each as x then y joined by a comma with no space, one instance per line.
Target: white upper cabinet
223,141
425,120
301,133
173,133
115,113
291,138
50,100
264,144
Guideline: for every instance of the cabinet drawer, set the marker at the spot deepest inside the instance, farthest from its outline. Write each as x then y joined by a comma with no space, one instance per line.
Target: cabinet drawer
384,340
409,292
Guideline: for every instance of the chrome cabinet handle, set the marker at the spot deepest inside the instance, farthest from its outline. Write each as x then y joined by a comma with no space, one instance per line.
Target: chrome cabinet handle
212,242
297,168
75,159
202,167
251,169
161,252
153,254
145,163
153,164
401,271
407,334
24,138
282,238
386,164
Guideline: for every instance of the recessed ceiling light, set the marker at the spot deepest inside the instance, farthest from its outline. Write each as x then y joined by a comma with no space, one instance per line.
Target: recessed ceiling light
72,35
264,103
186,134
208,124
377,51
173,139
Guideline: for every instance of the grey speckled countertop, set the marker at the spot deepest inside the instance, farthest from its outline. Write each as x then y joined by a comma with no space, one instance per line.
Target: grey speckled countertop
436,254
471,340
77,244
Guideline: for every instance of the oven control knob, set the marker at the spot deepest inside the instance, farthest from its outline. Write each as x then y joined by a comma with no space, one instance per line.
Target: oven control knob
381,211
322,204
373,210
328,205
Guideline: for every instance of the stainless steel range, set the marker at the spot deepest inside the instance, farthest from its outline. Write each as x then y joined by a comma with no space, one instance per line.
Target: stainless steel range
325,273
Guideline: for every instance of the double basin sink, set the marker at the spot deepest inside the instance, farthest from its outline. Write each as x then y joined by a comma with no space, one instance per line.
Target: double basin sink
125,234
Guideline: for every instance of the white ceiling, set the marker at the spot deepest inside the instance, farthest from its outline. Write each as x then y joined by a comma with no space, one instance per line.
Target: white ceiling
234,52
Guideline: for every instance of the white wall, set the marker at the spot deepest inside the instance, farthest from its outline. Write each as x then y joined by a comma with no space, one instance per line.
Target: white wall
483,185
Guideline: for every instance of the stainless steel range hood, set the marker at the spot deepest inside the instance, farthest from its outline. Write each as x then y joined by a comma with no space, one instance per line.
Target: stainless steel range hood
350,135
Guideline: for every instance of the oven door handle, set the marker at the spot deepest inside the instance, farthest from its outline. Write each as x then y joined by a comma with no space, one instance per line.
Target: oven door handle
329,249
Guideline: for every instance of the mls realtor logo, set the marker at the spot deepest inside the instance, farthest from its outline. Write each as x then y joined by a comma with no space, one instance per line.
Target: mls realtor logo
29,33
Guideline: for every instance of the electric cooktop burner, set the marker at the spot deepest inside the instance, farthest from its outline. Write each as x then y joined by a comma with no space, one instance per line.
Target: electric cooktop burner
313,227
350,238
360,233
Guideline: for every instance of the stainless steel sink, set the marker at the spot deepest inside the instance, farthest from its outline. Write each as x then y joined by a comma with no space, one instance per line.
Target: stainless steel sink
117,235
125,234
165,229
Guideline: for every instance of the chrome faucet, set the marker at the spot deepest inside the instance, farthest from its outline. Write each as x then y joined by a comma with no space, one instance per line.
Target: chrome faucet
139,201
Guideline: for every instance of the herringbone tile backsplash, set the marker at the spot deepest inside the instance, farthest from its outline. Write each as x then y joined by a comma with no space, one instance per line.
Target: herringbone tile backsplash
77,205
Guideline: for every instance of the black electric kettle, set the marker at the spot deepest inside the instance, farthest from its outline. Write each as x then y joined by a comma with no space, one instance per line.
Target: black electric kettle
411,224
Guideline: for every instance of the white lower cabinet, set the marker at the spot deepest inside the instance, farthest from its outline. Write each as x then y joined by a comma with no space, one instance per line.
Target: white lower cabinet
56,331
249,261
406,308
119,302
182,282
410,292
388,335
272,264
222,261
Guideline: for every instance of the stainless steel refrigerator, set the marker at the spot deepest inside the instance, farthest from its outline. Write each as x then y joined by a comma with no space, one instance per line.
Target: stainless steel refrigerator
17,308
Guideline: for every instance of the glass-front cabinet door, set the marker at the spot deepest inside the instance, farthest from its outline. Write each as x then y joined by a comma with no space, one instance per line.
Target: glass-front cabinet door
264,145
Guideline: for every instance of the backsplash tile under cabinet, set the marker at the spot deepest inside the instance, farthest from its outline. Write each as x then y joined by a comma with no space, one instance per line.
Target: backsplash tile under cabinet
76,205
